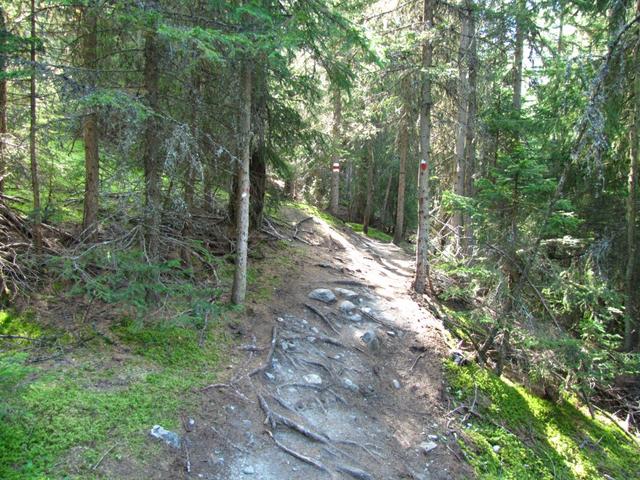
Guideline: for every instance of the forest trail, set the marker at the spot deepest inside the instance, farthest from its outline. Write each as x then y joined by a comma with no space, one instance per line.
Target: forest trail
348,390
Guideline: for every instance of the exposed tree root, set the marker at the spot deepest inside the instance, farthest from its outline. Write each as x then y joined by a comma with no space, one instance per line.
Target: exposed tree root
303,458
272,349
274,418
322,317
354,472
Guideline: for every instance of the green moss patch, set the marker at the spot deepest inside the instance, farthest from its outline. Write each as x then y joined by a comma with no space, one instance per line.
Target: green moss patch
521,436
371,233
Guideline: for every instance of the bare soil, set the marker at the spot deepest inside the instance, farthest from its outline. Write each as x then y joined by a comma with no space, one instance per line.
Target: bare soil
377,402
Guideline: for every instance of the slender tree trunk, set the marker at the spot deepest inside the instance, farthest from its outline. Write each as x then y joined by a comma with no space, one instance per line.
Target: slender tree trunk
368,205
403,150
239,289
457,220
3,100
152,164
422,250
385,203
470,146
258,166
35,181
518,58
335,176
631,327
90,125
258,181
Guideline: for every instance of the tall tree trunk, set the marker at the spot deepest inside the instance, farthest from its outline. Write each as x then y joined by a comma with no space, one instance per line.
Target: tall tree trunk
335,176
422,250
258,181
35,181
631,322
239,290
258,166
518,57
90,124
3,100
385,203
368,205
151,160
470,146
457,219
403,150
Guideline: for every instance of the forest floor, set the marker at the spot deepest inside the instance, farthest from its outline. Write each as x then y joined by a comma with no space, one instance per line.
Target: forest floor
289,387
348,390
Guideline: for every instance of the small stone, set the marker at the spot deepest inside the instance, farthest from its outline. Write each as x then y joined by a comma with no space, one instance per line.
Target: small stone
347,307
396,384
458,357
280,319
323,295
427,447
249,470
315,330
496,448
391,333
356,317
433,437
311,339
313,379
192,422
269,375
348,294
171,438
350,385
371,339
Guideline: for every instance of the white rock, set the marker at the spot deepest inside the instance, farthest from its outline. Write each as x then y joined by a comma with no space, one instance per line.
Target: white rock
427,447
349,294
347,307
396,384
313,379
496,448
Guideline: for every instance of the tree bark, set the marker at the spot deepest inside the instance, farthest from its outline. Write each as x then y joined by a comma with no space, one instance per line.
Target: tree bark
470,146
631,327
3,100
457,220
90,125
518,57
35,181
335,176
385,203
151,160
422,250
368,204
239,290
403,149
258,166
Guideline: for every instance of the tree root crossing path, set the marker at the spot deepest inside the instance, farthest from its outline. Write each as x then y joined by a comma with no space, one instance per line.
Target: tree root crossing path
342,378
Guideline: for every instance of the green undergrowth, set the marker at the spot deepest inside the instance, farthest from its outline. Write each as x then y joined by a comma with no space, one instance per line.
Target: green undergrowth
69,396
316,212
372,233
58,419
521,436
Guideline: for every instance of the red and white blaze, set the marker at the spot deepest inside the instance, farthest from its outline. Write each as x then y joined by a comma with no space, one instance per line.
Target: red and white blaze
335,167
423,164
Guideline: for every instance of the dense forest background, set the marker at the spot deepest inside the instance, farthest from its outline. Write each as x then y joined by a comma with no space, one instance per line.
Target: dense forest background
145,146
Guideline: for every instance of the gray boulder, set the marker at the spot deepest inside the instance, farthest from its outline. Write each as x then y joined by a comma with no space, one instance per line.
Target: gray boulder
171,438
323,295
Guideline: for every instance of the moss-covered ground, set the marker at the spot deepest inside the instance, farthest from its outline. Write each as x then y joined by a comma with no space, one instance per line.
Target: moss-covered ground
517,435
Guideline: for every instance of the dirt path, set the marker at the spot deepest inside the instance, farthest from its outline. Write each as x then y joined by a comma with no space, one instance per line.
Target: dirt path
348,388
